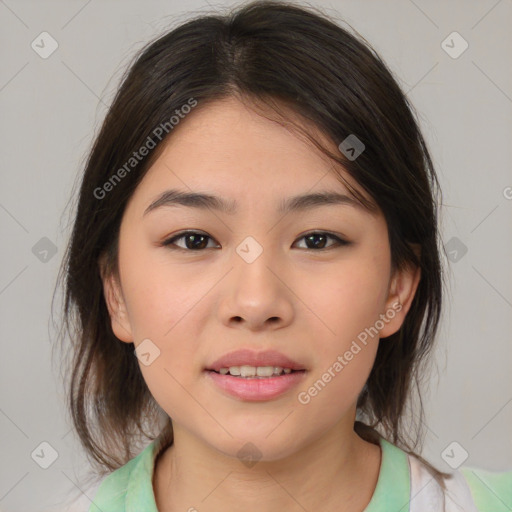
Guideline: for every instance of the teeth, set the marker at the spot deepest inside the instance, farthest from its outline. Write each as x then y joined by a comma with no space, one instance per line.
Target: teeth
254,371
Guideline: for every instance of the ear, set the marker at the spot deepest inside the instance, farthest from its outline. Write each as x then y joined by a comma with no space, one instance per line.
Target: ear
116,305
402,290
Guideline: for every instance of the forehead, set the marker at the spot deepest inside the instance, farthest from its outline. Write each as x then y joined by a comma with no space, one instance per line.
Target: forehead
229,150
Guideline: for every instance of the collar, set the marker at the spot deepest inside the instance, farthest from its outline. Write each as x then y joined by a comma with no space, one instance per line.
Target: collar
391,493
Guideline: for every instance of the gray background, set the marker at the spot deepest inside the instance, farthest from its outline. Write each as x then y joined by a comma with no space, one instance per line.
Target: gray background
51,108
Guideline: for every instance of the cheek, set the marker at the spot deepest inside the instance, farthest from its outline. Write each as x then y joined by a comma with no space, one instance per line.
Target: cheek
159,295
165,307
345,354
345,300
167,304
333,392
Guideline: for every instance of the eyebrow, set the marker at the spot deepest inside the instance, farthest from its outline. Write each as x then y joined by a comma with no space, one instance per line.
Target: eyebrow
204,201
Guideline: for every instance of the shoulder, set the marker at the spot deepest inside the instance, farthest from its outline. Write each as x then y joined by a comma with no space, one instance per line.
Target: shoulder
468,489
112,492
491,490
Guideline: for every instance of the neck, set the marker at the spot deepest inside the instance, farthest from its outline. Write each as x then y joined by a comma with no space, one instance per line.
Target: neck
341,472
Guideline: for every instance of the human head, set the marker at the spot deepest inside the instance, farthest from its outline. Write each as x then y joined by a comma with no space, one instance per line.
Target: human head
309,71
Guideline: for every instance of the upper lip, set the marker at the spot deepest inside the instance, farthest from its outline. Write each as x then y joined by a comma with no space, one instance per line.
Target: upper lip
253,358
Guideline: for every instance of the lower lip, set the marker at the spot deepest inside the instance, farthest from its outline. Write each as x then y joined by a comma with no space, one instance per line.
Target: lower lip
256,389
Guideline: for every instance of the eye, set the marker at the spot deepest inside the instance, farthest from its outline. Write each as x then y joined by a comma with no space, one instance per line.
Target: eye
317,240
196,241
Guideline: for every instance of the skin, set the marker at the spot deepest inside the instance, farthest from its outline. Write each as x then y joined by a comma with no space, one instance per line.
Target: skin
309,304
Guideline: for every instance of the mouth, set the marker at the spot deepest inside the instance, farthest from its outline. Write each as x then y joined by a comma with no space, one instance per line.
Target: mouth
255,376
252,372
255,388
249,363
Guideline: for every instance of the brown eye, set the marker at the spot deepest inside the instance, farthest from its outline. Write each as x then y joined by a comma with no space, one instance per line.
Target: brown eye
193,241
318,240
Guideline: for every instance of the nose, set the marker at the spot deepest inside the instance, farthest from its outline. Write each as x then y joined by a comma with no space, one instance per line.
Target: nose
256,295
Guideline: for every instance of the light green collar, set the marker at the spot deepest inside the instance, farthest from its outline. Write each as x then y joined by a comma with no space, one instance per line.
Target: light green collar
393,488
391,493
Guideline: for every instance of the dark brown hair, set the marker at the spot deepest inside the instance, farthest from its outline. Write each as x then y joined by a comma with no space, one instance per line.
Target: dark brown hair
294,60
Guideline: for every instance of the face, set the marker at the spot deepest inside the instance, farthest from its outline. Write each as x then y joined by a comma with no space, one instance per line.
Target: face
306,282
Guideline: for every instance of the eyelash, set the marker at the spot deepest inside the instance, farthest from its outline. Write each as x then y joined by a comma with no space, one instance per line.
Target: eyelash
169,243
